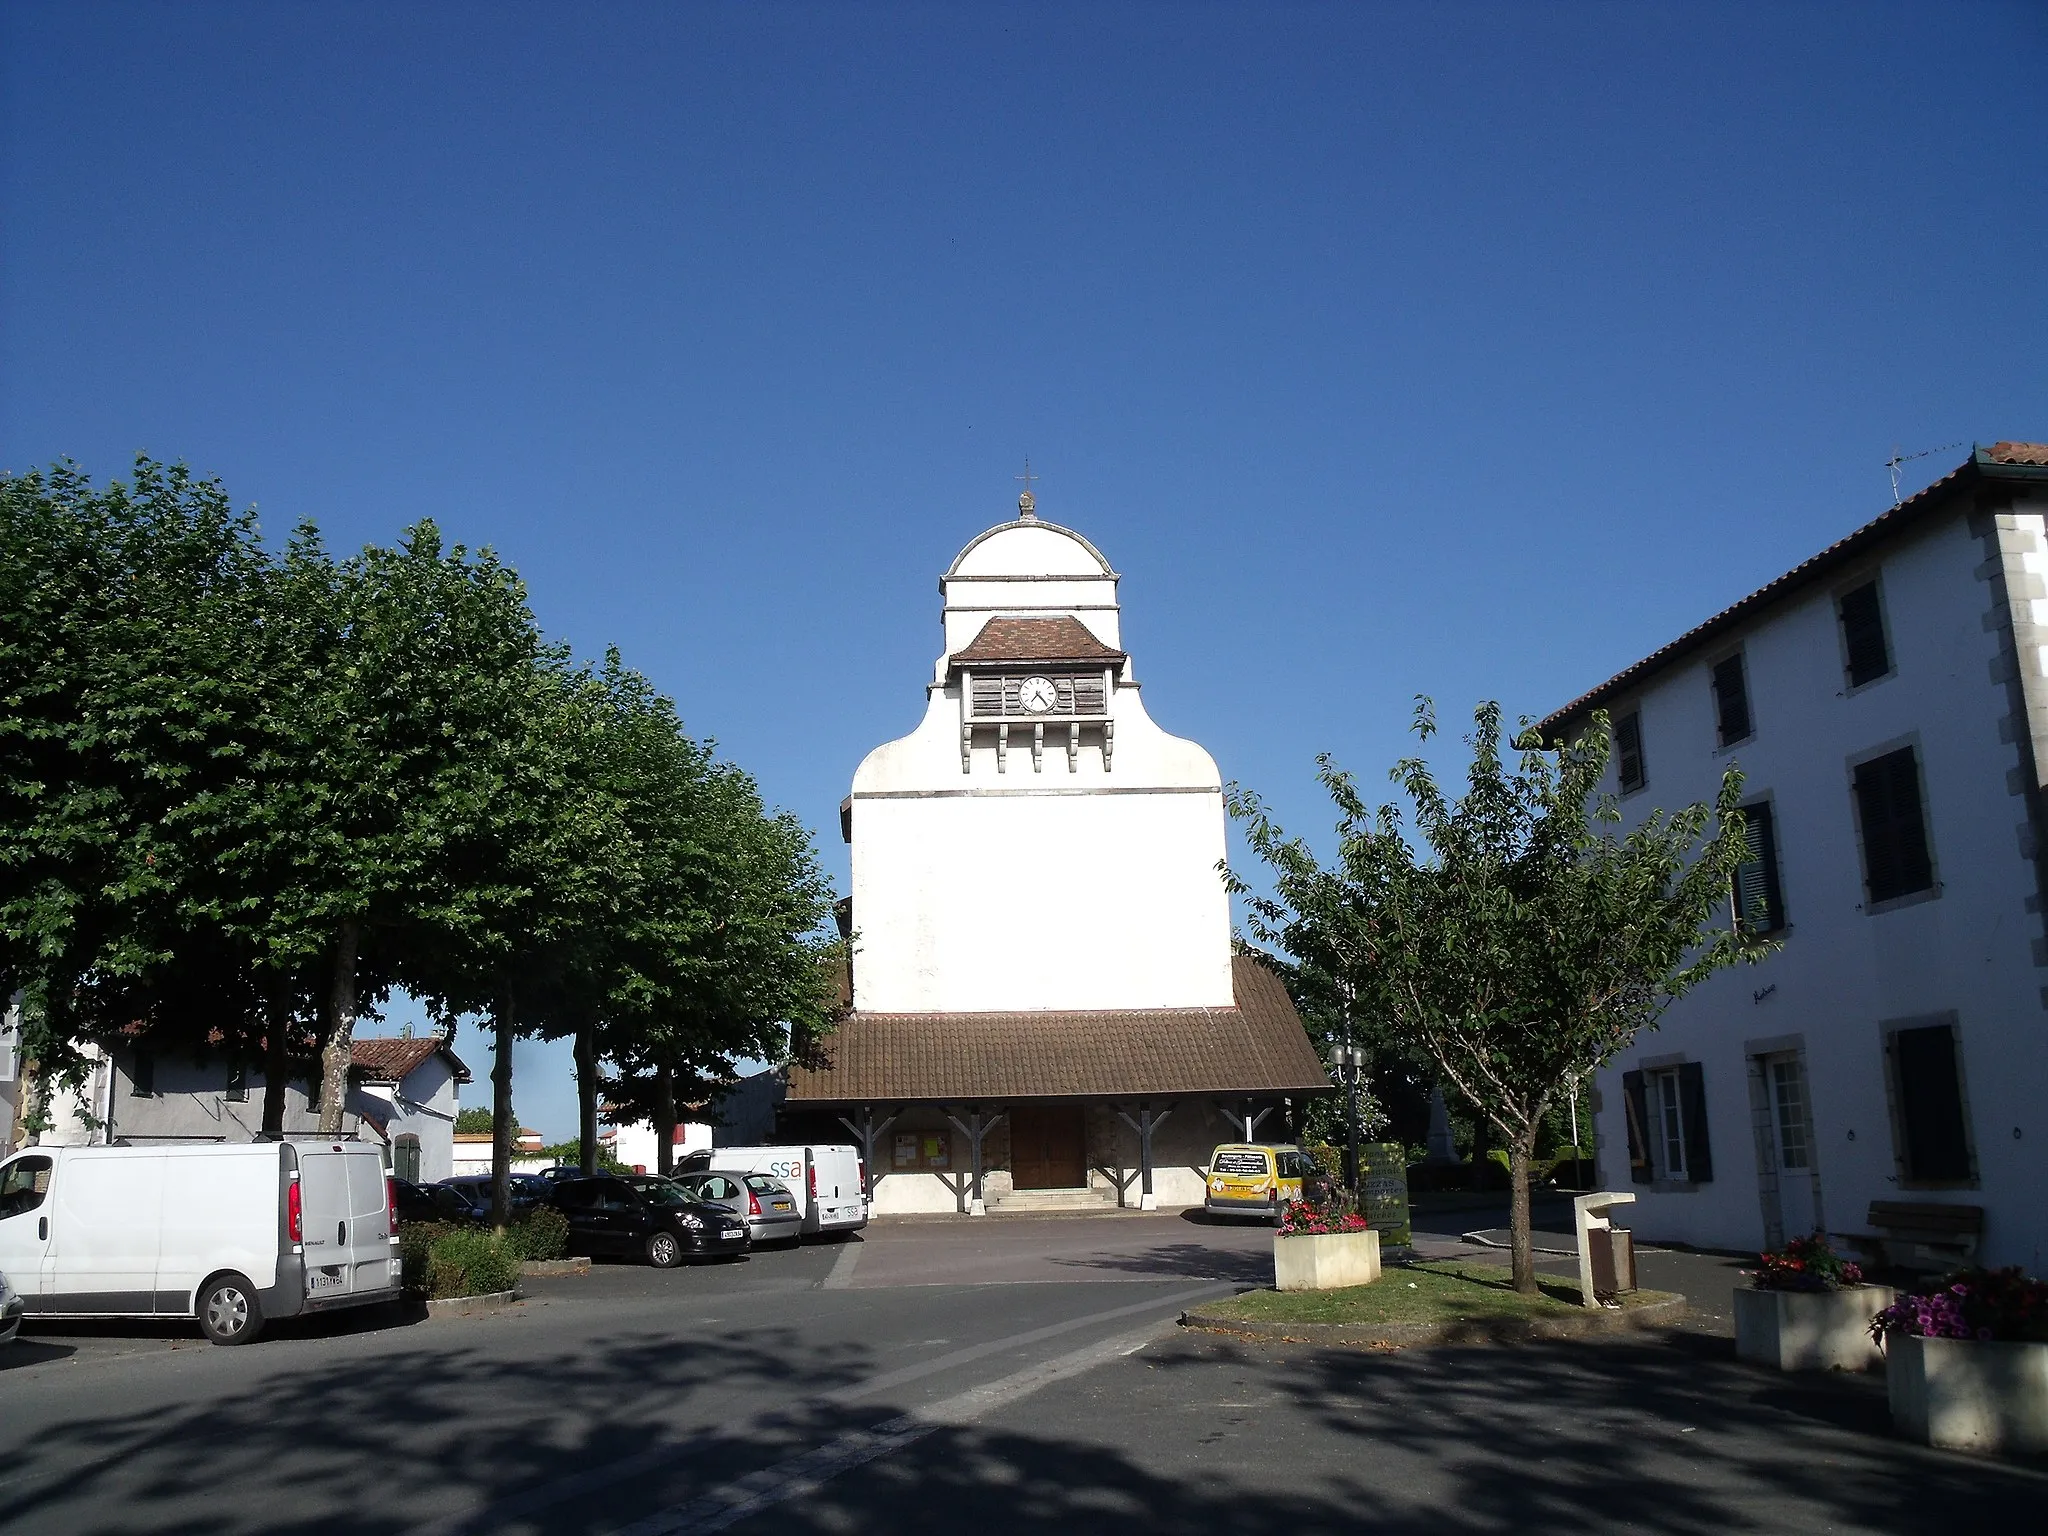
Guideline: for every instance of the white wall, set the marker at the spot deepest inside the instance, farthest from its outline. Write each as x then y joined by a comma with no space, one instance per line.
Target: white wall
1842,972
638,1146
1088,887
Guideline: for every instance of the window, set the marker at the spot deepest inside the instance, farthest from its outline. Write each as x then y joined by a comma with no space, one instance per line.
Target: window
1628,751
23,1185
142,1076
1865,655
1731,701
1931,1128
405,1158
1666,1108
1895,858
238,1087
1788,1101
1759,902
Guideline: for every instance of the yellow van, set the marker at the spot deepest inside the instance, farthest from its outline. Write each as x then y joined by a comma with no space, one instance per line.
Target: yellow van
1259,1180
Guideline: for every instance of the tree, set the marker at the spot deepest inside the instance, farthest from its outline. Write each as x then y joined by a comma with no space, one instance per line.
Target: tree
1530,943
476,1121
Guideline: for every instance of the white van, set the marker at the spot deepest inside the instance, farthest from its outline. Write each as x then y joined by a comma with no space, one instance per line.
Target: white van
232,1234
829,1182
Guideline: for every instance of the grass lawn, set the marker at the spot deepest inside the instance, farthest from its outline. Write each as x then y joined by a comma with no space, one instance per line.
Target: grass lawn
1446,1291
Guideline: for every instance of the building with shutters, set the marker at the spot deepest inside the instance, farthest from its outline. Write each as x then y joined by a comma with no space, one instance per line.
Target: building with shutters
1887,702
1045,1007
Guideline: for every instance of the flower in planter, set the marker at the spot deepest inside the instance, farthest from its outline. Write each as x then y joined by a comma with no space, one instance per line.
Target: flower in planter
1300,1218
1989,1305
1806,1264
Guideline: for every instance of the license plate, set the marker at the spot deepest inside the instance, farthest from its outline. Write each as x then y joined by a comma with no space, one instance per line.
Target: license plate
729,1236
781,1207
319,1282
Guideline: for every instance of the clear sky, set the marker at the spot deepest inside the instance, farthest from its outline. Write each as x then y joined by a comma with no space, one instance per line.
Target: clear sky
1460,349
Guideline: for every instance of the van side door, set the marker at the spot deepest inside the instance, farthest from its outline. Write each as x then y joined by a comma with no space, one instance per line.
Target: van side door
25,1227
106,1225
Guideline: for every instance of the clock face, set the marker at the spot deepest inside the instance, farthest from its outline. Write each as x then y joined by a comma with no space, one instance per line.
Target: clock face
1037,695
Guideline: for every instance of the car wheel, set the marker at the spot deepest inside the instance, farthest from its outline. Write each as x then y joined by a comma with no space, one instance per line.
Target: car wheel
229,1312
664,1251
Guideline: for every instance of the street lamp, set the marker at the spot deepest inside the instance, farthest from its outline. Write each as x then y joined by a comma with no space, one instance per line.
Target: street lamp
1349,1060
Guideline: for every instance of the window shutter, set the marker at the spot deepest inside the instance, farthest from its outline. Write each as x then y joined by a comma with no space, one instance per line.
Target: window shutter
1628,749
1894,831
1692,1109
1636,1108
1731,700
1759,903
1930,1088
1863,636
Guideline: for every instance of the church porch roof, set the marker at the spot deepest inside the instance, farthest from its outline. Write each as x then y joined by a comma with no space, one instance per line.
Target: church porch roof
1257,1047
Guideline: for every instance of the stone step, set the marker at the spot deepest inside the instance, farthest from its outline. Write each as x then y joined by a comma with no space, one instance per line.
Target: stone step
1053,1200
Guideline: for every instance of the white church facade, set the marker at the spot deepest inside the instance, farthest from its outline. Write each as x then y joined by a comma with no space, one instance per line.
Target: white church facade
1045,1006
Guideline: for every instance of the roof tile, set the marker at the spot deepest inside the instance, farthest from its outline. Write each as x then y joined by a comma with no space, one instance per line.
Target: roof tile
1056,639
1258,1046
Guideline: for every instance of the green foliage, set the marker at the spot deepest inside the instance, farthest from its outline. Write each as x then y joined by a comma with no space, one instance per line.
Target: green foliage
474,1122
1527,943
542,1233
439,1260
244,794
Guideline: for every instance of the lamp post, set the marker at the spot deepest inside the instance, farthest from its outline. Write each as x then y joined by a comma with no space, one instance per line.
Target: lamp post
1349,1059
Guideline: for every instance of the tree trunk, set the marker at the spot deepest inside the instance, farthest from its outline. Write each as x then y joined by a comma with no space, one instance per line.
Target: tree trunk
341,1028
22,1133
586,1095
277,1072
1521,1240
502,1128
665,1120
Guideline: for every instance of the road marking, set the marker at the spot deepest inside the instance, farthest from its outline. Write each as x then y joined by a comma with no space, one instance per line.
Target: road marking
666,1453
842,1267
801,1475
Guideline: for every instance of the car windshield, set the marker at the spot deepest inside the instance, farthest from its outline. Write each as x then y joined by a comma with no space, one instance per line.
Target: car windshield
661,1192
761,1184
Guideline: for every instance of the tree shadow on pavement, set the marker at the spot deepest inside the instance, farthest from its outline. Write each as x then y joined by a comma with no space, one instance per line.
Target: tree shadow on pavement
1172,1260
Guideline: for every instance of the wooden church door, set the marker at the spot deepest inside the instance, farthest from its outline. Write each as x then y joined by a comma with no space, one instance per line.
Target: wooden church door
1048,1147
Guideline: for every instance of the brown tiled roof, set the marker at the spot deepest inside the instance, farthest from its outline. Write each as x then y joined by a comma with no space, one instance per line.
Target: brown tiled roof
1056,639
392,1061
1257,1047
2000,463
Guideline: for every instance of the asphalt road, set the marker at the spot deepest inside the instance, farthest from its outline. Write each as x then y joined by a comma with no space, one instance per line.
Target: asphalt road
988,1376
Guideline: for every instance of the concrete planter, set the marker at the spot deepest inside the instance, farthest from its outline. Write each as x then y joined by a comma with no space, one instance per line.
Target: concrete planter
1810,1330
1327,1262
1965,1395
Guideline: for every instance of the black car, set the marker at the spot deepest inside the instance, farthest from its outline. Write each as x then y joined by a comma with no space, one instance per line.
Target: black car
650,1219
434,1202
525,1191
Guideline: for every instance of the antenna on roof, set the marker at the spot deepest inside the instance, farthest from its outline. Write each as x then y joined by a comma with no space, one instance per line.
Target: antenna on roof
1899,458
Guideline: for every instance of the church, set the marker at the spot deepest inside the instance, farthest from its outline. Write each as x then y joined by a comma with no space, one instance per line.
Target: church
1046,1012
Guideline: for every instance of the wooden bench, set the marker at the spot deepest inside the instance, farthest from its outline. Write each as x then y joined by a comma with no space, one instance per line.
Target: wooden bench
1921,1235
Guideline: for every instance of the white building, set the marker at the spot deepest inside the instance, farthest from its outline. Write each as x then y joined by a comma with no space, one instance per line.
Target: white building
1043,973
1887,702
403,1094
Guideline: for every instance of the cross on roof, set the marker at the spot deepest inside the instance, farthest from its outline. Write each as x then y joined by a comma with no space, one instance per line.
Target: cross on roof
1027,504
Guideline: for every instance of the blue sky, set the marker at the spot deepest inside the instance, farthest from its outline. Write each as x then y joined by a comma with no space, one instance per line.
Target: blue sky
1464,350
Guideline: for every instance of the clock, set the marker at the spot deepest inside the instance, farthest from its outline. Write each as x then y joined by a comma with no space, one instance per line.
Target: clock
1038,696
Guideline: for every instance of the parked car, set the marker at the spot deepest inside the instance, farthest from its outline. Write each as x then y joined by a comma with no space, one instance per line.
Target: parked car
434,1202
10,1312
1259,1180
232,1234
652,1219
764,1204
527,1191
829,1181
